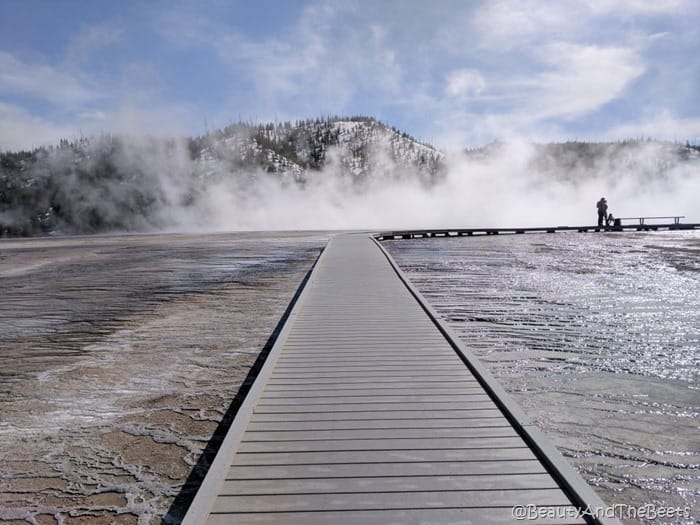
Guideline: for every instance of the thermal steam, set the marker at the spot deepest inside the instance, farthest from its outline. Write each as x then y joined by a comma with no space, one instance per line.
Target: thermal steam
130,184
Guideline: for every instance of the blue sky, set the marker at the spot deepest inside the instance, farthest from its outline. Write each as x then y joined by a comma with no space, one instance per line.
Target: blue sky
454,73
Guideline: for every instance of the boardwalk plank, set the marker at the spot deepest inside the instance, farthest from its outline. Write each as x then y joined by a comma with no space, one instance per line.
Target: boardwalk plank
360,368
387,443
500,456
371,358
431,373
385,383
432,483
389,500
470,397
416,433
402,414
529,465
373,391
338,408
372,424
458,516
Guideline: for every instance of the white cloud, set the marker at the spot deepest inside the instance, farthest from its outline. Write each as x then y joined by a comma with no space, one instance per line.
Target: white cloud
663,35
79,105
93,39
470,71
92,115
46,82
512,24
464,83
663,125
644,7
21,130
449,71
143,119
318,64
509,24
582,79
572,81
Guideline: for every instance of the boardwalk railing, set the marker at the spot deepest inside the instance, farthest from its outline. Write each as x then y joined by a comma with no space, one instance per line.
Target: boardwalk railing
462,232
676,218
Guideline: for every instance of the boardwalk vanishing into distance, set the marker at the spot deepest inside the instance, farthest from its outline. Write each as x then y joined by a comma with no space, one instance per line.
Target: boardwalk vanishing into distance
642,224
369,410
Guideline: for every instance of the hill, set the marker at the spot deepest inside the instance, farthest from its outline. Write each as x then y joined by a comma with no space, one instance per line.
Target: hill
110,183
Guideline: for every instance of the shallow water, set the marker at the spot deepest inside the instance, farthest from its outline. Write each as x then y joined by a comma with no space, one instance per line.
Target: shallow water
597,337
119,355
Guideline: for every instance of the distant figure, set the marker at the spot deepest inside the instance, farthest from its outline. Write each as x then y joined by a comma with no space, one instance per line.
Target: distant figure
610,220
602,206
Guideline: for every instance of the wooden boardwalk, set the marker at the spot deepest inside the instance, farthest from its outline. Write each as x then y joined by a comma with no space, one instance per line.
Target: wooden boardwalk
368,410
461,232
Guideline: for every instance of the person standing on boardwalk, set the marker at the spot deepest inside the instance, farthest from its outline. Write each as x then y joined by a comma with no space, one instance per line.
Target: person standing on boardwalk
602,206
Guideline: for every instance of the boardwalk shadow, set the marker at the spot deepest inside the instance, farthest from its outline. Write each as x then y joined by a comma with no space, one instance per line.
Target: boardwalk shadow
183,500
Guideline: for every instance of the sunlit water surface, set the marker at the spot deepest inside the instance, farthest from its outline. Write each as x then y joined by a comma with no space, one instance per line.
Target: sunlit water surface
119,355
597,336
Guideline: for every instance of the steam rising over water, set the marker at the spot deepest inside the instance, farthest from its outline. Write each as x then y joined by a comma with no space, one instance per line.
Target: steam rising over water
596,336
505,189
149,185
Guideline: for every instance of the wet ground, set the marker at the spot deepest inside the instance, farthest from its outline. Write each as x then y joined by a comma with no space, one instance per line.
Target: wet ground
119,356
597,337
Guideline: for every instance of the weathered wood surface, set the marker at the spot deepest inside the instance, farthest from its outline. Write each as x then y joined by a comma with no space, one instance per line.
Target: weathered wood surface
365,413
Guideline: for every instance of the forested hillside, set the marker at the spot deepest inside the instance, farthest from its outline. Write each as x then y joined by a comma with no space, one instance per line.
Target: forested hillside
114,183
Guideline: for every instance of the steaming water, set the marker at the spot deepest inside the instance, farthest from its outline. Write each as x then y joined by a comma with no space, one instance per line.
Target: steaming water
597,336
118,357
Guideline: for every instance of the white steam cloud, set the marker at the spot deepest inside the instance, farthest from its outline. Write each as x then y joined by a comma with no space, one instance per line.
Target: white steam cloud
499,190
155,185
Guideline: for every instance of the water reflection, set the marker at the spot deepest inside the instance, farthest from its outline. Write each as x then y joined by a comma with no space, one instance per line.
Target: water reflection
598,338
119,356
